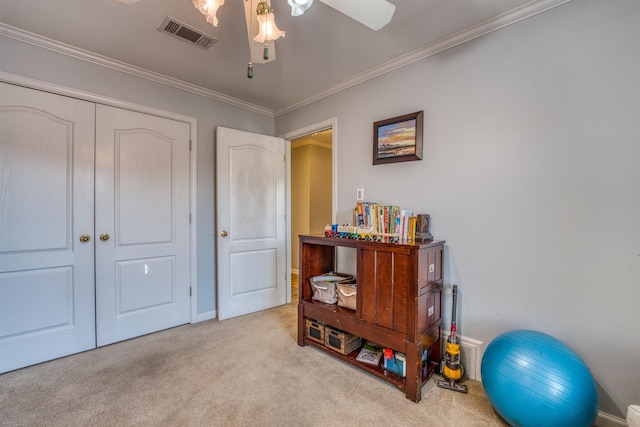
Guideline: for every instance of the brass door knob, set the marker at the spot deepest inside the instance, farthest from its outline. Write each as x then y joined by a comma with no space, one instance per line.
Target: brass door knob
85,238
104,237
224,233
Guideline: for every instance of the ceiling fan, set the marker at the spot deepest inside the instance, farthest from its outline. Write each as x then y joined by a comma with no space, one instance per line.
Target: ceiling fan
375,14
262,30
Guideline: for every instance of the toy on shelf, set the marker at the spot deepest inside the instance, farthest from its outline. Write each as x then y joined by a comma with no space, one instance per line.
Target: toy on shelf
348,231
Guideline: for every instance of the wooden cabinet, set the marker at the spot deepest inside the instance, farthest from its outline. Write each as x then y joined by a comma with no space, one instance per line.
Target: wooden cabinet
398,305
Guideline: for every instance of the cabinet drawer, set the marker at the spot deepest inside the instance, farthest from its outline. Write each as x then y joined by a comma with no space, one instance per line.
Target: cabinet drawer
431,266
429,304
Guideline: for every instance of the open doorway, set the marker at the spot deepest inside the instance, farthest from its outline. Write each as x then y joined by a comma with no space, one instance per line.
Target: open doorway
319,138
311,187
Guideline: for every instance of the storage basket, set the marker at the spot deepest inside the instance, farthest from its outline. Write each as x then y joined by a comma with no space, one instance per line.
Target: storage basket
347,291
324,286
340,341
314,330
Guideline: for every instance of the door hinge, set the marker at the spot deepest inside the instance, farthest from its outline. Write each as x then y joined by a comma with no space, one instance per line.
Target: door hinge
189,218
190,294
189,145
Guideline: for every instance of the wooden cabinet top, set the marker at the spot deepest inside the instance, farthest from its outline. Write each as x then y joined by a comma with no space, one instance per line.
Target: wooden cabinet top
354,243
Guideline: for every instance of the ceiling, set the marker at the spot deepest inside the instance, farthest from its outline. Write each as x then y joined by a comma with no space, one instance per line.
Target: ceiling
321,139
323,50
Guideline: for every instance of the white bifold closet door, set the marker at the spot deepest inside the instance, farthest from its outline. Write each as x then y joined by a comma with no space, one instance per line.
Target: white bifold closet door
46,207
94,225
142,224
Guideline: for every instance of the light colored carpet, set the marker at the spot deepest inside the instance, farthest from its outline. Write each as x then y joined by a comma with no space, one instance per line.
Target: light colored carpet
247,371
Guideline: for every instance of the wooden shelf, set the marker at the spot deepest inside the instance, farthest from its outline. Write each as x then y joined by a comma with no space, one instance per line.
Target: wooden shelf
378,371
398,303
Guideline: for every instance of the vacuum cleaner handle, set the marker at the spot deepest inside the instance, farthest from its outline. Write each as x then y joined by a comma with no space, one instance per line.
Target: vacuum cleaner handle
453,312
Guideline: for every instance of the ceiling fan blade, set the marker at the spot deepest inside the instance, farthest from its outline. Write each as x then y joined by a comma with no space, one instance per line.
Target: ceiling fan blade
375,14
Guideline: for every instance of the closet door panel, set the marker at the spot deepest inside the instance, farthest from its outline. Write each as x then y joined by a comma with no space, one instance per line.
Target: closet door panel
142,210
47,307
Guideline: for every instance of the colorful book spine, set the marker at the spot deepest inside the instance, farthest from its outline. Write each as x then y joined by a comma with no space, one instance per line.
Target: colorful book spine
360,214
386,220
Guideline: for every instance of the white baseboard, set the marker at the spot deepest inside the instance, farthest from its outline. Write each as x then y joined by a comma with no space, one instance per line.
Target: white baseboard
472,351
606,420
471,354
206,316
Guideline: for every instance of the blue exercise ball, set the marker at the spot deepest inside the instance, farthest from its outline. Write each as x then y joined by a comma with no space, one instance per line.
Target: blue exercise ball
533,379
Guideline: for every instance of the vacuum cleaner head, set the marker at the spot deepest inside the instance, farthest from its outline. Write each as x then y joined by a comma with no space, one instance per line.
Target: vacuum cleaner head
452,385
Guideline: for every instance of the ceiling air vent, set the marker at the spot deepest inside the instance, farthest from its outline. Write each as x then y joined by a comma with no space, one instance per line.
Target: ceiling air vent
186,33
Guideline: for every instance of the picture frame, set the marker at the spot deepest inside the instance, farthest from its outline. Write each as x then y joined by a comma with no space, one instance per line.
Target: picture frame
398,139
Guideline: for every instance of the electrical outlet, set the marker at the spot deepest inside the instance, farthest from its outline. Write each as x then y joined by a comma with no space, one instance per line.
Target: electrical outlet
360,194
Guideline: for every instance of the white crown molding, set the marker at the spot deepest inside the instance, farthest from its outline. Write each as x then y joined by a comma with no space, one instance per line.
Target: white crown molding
91,97
85,55
299,143
500,21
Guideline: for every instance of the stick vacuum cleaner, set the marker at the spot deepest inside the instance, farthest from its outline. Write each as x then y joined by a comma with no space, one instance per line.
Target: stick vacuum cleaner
451,367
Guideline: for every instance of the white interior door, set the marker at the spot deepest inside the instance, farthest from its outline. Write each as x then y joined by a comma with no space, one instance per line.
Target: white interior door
142,224
251,233
46,205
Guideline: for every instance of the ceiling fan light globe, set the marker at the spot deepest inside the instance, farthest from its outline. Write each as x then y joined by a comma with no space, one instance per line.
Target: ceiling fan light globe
209,8
267,28
299,6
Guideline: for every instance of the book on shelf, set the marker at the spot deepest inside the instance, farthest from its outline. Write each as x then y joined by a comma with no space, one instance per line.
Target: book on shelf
360,214
370,353
385,220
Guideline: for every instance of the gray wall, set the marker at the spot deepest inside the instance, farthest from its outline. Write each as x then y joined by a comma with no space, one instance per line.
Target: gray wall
530,174
36,63
530,171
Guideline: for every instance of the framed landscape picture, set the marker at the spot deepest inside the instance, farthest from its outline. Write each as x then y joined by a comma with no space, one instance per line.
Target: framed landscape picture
398,139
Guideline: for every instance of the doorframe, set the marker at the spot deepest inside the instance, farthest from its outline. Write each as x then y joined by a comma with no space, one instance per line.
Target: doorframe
332,124
193,164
